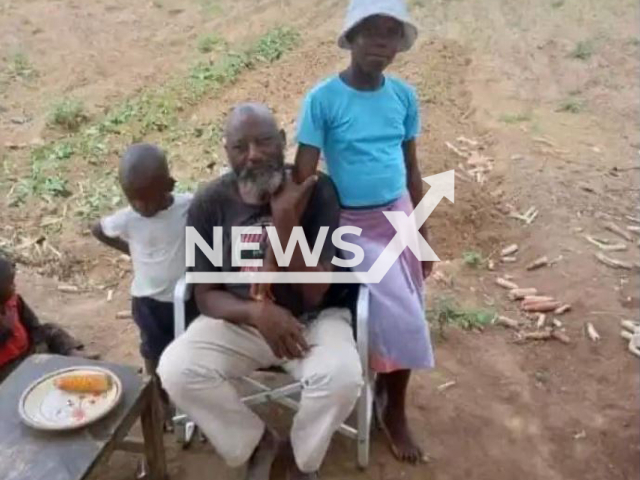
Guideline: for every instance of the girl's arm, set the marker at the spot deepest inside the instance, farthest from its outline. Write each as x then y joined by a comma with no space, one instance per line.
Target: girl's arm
414,180
414,185
306,162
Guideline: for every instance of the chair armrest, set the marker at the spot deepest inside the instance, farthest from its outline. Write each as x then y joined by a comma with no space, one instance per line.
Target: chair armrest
181,294
362,326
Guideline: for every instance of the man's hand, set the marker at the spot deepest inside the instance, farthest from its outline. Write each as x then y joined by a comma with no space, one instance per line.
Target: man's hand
262,291
280,329
288,205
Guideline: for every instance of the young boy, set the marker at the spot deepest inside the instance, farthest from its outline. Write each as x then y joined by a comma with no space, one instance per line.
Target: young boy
365,124
152,232
21,333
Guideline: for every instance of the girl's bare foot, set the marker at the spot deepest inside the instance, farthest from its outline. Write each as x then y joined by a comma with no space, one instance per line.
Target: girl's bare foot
392,419
259,467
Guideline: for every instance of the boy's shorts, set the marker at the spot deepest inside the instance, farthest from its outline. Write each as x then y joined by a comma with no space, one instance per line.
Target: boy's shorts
155,321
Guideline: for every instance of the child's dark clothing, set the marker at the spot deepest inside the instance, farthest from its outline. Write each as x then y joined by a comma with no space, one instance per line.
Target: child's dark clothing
155,321
157,249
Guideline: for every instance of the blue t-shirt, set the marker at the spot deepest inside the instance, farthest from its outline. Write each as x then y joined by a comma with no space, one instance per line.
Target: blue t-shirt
360,134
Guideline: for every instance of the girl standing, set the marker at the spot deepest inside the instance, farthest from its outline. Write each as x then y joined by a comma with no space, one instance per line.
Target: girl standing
365,124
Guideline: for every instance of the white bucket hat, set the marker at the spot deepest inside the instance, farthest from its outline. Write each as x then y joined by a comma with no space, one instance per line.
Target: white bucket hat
361,9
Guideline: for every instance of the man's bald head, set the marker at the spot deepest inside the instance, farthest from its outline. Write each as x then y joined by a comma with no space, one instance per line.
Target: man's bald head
246,113
255,150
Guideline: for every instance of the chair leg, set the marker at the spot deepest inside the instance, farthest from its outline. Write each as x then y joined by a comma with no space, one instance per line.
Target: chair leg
365,410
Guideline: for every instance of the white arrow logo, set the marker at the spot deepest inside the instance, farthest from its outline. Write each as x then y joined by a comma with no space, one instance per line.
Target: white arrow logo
407,235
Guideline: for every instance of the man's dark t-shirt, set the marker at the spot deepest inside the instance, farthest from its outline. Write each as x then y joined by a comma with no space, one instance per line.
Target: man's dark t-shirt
219,204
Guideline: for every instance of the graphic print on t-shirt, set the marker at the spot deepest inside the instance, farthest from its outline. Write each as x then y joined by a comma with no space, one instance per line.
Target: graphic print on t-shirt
260,238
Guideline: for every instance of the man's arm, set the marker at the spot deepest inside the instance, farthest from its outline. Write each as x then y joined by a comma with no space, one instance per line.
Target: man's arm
113,242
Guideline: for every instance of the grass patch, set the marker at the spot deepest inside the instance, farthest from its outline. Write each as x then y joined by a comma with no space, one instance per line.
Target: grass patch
96,198
571,105
583,50
557,4
45,179
447,312
274,45
209,43
19,67
154,110
512,118
205,76
68,114
473,259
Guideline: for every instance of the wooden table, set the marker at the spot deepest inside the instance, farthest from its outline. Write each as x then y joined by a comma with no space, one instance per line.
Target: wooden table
28,454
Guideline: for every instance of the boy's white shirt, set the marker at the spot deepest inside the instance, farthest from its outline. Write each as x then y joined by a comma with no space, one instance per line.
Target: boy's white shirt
156,245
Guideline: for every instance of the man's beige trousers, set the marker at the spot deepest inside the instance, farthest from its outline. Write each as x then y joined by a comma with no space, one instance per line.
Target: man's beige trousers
196,370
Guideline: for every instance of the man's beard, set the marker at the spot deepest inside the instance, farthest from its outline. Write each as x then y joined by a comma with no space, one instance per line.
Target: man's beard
258,183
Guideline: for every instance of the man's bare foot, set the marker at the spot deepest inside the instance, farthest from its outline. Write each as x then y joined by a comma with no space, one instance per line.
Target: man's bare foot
259,467
393,423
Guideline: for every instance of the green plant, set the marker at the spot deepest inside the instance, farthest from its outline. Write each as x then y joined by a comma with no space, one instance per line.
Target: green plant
209,43
68,113
583,50
98,197
447,312
61,151
274,44
557,3
472,258
225,70
19,67
55,186
571,105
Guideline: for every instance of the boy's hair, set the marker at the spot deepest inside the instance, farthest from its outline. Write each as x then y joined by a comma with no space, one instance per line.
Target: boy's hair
142,160
7,267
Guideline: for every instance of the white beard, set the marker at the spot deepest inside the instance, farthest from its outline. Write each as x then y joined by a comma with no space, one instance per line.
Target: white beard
260,189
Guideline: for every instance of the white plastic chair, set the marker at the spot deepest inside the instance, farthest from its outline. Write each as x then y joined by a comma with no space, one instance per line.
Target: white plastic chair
185,428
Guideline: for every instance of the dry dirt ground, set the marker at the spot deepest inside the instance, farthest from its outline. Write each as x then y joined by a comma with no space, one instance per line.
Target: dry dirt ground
549,89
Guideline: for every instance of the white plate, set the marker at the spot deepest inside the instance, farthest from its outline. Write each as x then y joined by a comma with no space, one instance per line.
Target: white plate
46,407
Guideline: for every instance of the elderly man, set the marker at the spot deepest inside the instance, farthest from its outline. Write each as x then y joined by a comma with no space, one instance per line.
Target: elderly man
305,329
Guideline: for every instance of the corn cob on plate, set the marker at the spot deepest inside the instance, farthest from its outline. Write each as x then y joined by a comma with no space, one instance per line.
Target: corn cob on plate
70,398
